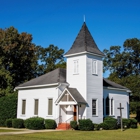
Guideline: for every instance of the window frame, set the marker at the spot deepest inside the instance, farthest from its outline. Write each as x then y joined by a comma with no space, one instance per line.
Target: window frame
75,66
96,107
112,107
36,108
48,113
94,67
23,109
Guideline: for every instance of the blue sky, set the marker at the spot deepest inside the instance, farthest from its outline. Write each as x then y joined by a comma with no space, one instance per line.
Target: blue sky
58,22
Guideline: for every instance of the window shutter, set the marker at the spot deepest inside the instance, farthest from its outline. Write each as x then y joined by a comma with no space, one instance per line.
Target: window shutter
23,106
50,106
36,107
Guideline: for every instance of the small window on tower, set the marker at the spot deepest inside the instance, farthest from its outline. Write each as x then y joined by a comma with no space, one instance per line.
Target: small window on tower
94,67
76,67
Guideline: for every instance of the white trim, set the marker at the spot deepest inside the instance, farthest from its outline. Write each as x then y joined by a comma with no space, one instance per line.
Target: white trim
117,89
58,99
36,86
85,52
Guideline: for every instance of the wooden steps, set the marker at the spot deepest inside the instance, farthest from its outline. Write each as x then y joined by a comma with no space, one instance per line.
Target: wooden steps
63,126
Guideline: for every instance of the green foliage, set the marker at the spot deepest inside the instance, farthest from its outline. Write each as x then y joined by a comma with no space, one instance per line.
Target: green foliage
86,125
111,122
50,58
18,59
96,126
138,114
8,108
104,126
50,124
34,123
126,123
74,125
133,123
8,122
18,123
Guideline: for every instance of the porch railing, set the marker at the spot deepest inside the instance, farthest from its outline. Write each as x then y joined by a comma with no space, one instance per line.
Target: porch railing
58,120
68,121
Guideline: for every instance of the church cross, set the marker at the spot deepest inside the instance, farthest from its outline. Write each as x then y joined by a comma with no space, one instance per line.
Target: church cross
121,115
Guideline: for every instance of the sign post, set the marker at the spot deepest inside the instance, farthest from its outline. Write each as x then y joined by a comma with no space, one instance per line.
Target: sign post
121,115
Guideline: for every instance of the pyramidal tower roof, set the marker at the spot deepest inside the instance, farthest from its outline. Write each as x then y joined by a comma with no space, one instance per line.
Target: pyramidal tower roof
84,43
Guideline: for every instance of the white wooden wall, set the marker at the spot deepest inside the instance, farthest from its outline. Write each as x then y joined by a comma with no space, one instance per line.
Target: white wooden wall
42,94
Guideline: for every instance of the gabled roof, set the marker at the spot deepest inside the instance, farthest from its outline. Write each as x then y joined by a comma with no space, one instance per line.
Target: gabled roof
84,43
55,76
77,96
108,83
74,93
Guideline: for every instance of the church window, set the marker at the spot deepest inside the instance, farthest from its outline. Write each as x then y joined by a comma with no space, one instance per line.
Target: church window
50,106
23,107
94,67
107,106
36,107
94,107
76,67
111,106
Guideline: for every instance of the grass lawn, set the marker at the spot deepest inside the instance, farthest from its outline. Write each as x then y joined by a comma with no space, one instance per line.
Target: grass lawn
130,134
8,130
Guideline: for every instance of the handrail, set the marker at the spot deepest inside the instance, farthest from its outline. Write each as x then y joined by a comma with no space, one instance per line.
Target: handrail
58,120
70,119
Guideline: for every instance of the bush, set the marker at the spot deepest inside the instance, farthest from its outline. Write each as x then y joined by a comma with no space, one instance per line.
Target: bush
133,123
104,126
18,123
50,124
126,123
34,123
96,126
8,108
9,123
86,125
111,123
74,125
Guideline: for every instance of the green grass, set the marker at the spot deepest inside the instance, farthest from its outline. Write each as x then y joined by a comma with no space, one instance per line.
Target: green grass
130,134
8,130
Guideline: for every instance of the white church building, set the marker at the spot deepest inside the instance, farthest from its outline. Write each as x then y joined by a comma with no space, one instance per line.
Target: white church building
77,92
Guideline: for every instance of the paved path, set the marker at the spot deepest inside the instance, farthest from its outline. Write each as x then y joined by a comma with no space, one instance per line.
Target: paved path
24,131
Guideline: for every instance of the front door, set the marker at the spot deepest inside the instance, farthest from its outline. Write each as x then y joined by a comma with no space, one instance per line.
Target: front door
75,113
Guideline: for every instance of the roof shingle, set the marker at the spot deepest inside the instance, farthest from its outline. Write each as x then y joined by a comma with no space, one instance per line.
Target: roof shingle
84,43
55,76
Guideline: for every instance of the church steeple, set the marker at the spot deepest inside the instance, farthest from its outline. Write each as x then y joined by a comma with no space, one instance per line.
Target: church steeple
84,43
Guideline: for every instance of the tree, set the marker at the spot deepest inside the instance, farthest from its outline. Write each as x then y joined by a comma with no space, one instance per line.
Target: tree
124,67
50,58
18,59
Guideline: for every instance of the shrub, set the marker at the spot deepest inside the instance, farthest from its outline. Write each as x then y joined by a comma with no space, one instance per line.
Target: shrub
104,126
96,126
34,123
111,123
133,123
109,118
126,123
74,125
8,108
50,124
8,123
18,123
86,125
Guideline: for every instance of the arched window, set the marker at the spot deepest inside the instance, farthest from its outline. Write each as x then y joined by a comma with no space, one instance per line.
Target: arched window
107,106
